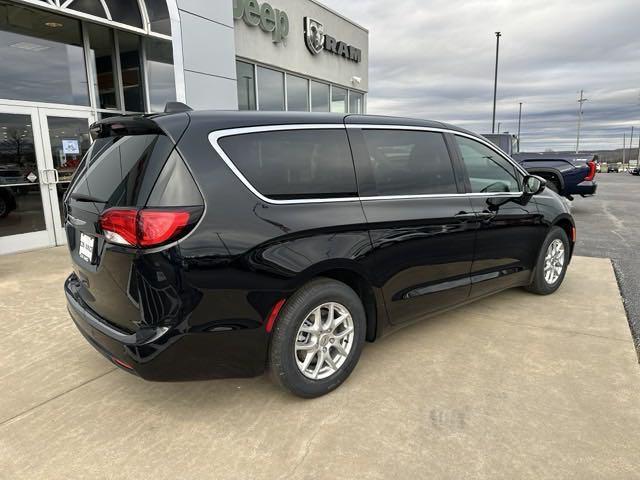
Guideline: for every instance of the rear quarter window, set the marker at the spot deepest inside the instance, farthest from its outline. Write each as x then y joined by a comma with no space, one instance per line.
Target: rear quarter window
293,164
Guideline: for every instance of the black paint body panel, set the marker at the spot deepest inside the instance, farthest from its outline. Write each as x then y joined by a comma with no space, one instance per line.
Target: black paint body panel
407,258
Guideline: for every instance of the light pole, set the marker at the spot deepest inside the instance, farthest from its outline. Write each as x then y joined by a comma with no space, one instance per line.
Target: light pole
580,102
519,121
495,84
624,149
630,146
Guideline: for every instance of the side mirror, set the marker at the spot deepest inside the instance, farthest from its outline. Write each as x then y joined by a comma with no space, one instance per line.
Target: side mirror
533,185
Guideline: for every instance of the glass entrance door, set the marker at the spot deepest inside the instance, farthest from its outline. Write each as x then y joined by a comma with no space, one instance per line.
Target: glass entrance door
25,219
39,151
65,137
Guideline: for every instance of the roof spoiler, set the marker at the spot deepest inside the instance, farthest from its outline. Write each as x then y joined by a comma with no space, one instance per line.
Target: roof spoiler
124,125
177,107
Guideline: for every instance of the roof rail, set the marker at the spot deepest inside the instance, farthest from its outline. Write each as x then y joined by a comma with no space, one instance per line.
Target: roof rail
177,107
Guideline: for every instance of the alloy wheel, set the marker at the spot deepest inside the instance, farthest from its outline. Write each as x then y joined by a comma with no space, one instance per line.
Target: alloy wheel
554,261
324,341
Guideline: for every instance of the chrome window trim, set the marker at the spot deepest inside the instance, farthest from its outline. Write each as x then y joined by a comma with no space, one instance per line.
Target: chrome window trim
216,135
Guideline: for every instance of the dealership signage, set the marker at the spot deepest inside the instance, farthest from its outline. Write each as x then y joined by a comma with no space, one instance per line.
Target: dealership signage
317,40
269,19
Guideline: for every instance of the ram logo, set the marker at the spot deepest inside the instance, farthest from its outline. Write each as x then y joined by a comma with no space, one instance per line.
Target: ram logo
313,35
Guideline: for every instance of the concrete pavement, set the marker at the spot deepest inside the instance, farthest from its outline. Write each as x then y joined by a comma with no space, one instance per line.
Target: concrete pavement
609,226
514,386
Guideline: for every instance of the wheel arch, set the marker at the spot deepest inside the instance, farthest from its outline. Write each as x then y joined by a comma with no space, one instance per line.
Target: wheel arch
567,224
546,173
358,282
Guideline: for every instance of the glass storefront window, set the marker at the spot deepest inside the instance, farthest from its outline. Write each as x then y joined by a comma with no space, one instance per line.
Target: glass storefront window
21,209
159,20
125,11
162,81
70,140
88,6
356,102
101,53
270,89
338,100
42,57
246,86
131,72
319,97
297,94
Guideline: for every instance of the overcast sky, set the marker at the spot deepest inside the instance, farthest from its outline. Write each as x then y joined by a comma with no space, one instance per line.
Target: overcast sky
435,59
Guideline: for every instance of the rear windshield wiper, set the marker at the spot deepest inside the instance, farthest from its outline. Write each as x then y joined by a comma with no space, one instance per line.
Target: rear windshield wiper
80,197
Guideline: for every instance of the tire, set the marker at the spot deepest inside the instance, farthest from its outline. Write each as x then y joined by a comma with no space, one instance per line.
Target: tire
543,284
286,361
4,208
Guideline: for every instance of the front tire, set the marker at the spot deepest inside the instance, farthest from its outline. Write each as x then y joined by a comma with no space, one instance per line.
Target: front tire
318,338
552,263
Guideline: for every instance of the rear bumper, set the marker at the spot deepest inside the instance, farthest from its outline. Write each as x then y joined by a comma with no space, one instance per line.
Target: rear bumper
171,354
584,188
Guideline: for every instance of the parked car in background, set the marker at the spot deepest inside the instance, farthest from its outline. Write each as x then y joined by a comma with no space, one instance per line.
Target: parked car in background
215,244
566,174
613,168
634,171
7,201
598,167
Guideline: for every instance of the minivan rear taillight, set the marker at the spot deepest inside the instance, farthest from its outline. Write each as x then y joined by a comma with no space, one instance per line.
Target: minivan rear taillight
592,170
147,227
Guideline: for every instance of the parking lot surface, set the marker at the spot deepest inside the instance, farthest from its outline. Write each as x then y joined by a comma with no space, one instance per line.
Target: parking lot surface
608,225
514,386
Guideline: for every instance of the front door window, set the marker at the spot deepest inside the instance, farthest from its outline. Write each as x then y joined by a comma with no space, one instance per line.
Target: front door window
488,171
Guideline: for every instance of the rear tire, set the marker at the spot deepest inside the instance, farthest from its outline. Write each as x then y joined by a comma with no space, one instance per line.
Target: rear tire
552,263
305,334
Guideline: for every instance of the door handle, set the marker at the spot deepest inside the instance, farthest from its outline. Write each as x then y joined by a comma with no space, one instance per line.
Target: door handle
486,215
44,176
465,216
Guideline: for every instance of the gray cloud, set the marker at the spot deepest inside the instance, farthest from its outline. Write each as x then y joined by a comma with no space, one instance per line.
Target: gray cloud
435,58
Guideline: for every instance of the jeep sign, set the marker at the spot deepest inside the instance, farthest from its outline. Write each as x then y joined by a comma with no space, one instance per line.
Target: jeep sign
268,18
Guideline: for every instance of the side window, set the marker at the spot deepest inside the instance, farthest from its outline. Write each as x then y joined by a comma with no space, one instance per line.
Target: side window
409,162
488,171
292,164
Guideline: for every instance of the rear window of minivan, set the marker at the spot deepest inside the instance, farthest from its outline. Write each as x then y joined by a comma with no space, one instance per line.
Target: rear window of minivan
121,170
293,164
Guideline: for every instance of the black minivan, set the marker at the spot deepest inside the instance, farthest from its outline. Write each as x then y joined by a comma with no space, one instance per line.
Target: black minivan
216,244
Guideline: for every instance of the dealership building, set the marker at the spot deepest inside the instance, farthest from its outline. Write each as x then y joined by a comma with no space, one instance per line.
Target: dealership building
68,63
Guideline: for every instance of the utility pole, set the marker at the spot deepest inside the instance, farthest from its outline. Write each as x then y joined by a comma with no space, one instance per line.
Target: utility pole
498,127
519,120
638,164
580,102
624,147
631,146
495,84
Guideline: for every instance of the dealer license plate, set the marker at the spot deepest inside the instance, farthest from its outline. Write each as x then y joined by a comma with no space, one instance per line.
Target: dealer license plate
86,247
